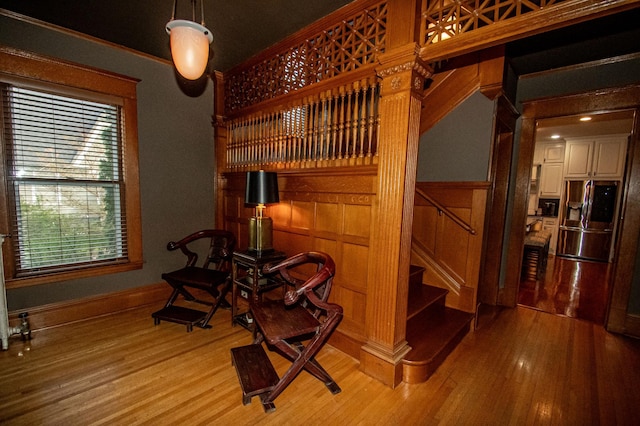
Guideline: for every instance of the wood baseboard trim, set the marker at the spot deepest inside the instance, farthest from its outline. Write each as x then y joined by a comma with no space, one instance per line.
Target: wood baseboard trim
345,343
56,314
632,326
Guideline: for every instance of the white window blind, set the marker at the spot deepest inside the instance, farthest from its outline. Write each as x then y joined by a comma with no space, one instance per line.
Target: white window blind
63,158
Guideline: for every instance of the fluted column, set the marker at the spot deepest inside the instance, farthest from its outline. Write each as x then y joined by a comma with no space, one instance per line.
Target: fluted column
403,76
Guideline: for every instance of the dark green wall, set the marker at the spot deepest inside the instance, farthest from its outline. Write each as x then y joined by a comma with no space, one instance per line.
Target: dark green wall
451,152
176,158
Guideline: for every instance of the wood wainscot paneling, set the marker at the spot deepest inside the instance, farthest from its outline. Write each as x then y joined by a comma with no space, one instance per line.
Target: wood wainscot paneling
450,254
327,210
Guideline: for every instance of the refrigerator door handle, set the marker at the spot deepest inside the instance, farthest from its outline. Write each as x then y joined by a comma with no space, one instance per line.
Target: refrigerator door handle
587,204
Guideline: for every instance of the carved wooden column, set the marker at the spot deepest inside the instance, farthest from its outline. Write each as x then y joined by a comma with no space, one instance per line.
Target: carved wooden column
403,76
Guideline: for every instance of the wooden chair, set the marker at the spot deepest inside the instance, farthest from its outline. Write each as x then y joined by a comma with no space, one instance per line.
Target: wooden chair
213,278
297,327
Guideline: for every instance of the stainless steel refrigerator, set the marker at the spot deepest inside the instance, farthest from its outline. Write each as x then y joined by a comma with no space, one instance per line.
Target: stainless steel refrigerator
588,219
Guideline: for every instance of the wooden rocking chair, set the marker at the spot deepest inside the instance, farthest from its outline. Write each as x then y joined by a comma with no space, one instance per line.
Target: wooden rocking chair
214,278
297,327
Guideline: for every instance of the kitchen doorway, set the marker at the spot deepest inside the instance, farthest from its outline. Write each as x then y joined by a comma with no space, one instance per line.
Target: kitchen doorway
626,242
574,154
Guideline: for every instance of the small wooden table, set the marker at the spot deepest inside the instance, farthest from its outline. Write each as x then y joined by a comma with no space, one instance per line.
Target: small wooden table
249,282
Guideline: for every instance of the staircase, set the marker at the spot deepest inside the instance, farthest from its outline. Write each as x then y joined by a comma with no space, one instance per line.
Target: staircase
433,330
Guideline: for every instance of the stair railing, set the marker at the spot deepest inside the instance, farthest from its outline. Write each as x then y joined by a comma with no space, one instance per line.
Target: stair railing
442,209
332,128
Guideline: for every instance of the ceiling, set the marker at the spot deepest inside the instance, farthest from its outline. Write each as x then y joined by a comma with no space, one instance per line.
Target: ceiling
562,128
243,28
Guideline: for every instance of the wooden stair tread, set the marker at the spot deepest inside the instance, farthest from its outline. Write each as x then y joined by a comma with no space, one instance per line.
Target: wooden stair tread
430,332
421,296
432,335
433,330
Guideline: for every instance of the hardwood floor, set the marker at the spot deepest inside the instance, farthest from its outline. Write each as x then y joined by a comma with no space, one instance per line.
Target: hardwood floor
577,289
524,367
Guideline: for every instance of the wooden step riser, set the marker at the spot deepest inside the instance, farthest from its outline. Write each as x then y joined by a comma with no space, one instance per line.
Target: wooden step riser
421,296
415,275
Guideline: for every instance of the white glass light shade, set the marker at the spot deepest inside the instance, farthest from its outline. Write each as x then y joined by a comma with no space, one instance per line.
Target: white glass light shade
189,47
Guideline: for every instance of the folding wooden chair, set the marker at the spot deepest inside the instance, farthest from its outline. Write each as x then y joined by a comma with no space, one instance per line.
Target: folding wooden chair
213,277
297,327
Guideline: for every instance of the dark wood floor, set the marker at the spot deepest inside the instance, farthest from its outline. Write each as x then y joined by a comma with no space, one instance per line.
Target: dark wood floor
572,288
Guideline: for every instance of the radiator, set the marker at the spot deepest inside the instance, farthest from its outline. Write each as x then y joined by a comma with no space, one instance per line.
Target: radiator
5,330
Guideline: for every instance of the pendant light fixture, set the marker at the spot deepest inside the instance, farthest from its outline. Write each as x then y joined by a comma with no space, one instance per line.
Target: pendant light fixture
189,43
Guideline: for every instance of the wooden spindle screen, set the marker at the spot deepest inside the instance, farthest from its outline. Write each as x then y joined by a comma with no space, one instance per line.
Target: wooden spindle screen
335,128
347,45
444,19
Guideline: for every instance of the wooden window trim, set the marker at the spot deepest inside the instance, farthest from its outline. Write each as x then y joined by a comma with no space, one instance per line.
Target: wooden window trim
15,63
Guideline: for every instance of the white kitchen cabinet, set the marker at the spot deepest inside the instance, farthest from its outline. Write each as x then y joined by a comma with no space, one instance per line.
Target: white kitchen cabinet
538,154
601,157
551,224
548,153
609,157
554,152
578,156
551,179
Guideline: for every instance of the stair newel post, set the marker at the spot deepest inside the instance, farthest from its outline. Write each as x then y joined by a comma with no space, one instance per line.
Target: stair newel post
403,75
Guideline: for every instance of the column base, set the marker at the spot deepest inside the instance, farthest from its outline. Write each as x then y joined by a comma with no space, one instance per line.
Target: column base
383,365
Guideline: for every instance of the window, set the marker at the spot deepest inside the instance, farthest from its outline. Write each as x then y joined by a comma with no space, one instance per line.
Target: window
70,172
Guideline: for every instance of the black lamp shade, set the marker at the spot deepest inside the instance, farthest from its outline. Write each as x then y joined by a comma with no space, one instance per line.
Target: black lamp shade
262,188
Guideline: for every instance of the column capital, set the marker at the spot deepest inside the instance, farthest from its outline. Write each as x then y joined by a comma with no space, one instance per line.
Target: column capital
397,62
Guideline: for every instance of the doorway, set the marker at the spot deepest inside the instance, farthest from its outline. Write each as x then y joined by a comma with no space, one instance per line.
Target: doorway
626,243
573,283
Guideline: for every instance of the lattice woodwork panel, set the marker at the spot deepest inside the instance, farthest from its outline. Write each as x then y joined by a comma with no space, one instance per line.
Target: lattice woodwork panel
346,46
338,127
443,19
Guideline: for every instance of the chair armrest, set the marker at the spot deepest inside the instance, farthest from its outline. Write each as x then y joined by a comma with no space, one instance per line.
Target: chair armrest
192,257
324,274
